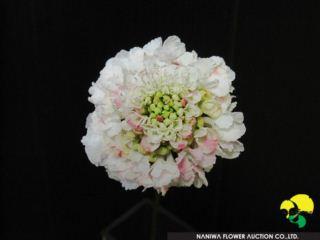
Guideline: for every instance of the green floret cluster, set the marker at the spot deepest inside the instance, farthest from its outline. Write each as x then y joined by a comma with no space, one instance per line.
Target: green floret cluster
161,107
163,110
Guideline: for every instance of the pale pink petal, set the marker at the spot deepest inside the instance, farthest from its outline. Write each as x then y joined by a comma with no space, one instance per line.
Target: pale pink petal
180,145
131,123
209,145
208,161
147,145
196,153
118,102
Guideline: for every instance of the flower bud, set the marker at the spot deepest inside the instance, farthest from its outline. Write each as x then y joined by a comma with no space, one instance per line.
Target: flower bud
166,107
166,99
157,110
200,122
173,116
147,100
167,121
159,118
152,106
165,114
175,97
160,104
184,102
163,151
180,112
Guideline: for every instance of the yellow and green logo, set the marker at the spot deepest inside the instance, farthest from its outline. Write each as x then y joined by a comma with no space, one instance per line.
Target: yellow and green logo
297,208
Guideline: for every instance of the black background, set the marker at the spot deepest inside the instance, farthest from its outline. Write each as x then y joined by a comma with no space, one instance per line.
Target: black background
51,51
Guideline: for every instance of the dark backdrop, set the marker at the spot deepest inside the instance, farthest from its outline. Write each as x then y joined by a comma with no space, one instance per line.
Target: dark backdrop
51,51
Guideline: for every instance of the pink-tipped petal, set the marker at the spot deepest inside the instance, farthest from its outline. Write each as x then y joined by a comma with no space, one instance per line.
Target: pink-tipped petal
181,145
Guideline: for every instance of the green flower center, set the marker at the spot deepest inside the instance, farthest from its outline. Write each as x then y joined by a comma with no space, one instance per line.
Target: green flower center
163,107
172,113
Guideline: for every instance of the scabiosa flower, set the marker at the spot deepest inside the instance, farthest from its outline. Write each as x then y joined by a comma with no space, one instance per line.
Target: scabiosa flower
161,116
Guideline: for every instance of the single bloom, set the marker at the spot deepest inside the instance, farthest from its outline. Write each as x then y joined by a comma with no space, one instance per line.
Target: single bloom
162,116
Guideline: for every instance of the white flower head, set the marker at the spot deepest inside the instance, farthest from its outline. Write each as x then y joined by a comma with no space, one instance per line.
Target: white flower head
162,115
